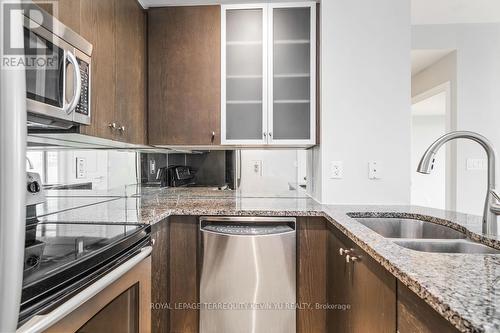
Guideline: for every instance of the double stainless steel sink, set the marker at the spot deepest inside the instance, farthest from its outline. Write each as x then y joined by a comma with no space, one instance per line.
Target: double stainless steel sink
425,236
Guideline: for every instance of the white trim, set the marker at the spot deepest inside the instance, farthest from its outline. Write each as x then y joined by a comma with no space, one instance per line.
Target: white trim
311,75
267,74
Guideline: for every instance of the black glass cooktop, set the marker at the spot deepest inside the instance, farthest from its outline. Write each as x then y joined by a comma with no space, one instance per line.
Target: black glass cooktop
60,258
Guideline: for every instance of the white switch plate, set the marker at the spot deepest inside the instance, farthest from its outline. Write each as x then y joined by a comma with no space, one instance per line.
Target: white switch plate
257,167
477,164
81,168
336,169
373,170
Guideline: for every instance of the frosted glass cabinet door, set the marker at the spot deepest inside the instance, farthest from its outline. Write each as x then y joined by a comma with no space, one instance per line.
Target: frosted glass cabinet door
244,75
292,106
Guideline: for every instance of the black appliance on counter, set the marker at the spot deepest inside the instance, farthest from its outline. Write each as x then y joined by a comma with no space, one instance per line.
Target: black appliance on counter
175,176
62,258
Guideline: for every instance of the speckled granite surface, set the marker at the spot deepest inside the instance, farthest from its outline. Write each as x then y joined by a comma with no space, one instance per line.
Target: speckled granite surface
463,288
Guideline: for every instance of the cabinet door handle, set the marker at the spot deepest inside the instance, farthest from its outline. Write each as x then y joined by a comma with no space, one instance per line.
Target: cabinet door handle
213,137
112,126
121,128
264,134
352,259
343,251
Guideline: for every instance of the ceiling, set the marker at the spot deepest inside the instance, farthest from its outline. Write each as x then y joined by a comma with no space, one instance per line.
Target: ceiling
421,59
432,106
454,11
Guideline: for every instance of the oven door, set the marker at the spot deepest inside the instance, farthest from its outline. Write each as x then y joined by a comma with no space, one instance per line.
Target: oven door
53,78
118,302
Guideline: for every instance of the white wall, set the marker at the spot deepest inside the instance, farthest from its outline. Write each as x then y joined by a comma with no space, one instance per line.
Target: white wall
477,96
365,100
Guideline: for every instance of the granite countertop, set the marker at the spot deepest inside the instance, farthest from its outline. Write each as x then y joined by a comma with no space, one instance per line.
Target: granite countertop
463,288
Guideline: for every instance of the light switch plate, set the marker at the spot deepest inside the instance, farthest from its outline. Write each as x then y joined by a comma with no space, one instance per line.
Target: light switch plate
81,168
477,164
373,170
337,169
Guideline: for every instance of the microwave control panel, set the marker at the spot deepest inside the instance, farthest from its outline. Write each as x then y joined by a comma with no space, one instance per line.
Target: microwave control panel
83,106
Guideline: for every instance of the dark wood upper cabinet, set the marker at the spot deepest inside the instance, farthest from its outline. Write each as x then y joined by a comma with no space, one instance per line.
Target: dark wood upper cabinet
184,75
117,31
130,87
98,27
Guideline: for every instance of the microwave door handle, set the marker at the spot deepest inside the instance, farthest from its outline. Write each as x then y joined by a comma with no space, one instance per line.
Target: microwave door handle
77,86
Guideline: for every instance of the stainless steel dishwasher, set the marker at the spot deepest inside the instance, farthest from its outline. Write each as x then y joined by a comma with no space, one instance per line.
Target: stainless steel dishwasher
248,274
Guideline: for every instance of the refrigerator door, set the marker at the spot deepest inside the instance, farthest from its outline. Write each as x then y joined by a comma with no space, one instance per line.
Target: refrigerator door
12,173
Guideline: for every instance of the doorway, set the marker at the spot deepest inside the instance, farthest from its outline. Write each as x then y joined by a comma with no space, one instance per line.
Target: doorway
429,120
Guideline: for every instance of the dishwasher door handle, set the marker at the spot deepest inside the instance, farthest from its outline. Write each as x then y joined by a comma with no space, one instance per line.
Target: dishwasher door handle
40,323
247,226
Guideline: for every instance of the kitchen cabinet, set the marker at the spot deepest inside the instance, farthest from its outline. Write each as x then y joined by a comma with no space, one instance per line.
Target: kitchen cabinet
67,11
414,315
269,74
175,273
184,75
356,280
311,275
116,29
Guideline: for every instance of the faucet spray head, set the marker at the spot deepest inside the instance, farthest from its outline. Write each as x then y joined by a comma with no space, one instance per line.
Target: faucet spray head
427,162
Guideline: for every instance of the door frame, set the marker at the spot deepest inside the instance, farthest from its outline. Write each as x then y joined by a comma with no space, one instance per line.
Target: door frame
451,151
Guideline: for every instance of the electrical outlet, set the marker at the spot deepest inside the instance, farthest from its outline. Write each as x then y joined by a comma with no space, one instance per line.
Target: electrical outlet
373,170
257,167
336,169
81,168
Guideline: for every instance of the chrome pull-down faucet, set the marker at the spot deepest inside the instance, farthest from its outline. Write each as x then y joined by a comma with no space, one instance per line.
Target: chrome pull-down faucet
492,204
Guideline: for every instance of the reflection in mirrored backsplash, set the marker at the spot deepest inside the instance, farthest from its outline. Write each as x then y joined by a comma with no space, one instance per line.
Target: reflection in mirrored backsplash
84,169
252,171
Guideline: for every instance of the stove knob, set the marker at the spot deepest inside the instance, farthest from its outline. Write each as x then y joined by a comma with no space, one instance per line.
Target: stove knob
33,187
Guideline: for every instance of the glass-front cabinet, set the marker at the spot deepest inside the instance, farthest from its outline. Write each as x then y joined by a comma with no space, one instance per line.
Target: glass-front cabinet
269,74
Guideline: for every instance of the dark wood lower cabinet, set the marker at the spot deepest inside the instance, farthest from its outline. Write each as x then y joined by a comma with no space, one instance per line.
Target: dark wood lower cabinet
175,283
361,293
333,295
414,315
311,274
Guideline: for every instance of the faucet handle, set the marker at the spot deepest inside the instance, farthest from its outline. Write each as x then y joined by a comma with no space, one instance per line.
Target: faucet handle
495,194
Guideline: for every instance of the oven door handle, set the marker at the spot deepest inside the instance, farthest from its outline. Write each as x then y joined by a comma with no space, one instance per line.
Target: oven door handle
77,85
42,322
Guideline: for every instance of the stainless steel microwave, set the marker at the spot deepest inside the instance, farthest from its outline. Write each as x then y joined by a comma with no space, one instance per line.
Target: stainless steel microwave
58,72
